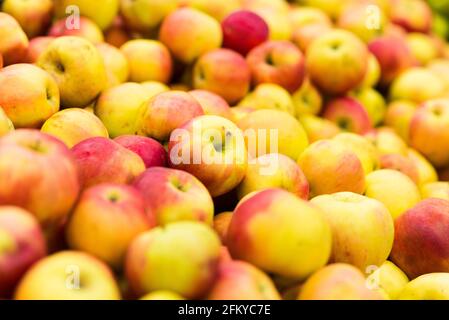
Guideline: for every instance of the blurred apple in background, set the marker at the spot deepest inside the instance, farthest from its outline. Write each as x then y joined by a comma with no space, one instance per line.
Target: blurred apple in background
6,124
87,30
36,47
116,64
14,41
212,104
142,15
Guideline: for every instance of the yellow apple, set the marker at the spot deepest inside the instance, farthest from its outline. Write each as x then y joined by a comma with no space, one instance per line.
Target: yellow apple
6,124
431,286
117,67
143,15
269,96
438,189
389,278
307,99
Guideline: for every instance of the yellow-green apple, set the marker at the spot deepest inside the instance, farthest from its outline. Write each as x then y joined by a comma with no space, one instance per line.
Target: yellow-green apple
143,15
101,160
273,131
33,16
330,166
373,102
331,7
372,75
318,128
87,29
116,64
387,141
269,96
362,228
244,22
102,12
259,227
337,281
22,244
438,190
426,172
215,8
162,295
239,280
279,62
399,115
303,37
441,68
224,72
120,108
153,88
39,174
348,114
6,124
400,163
417,85
302,16
166,112
117,34
394,189
68,275
363,148
28,95
432,286
429,131
212,103
307,99
174,195
212,148
275,5
389,278
423,47
238,113
189,33
280,27
78,69
106,220
412,15
149,60
14,41
344,54
152,152
36,47
274,171
181,257
221,224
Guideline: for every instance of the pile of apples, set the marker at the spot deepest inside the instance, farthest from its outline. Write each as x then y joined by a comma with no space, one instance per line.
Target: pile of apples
102,195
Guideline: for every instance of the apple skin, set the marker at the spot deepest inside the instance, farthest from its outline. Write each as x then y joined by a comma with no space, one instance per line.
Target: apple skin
215,8
143,15
6,124
373,73
189,33
387,141
432,286
22,243
212,104
421,241
239,280
27,156
274,171
162,295
149,60
389,279
260,218
303,16
280,27
153,88
245,22
166,112
305,35
87,30
212,149
152,152
373,102
429,131
318,128
399,115
330,166
412,15
74,125
14,41
439,189
279,62
307,99
402,164
174,195
424,47
116,64
181,257
221,225
362,228
78,69
101,160
49,277
328,52
117,34
224,72
28,95
33,16
36,47
426,172
105,220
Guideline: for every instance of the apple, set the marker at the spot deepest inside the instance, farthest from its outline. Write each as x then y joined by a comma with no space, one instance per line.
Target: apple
87,30
432,286
33,16
238,113
399,115
166,112
143,15
258,228
68,275
373,102
153,88
6,124
174,195
14,41
78,69
117,34
389,278
274,171
105,220
244,22
212,149
273,131
22,244
279,62
302,16
438,190
304,36
402,164
215,8
441,68
181,257
212,103
426,172
224,72
331,7
394,189
318,128
362,228
38,174
149,60
373,72
348,114
280,27
307,99
221,224
429,131
36,47
162,295
189,33
152,152
424,48
412,15
387,141
101,160
280,6
117,67
239,280
330,166
344,54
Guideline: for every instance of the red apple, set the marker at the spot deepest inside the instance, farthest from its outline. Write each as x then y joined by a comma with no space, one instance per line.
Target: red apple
13,41
412,15
152,152
348,114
